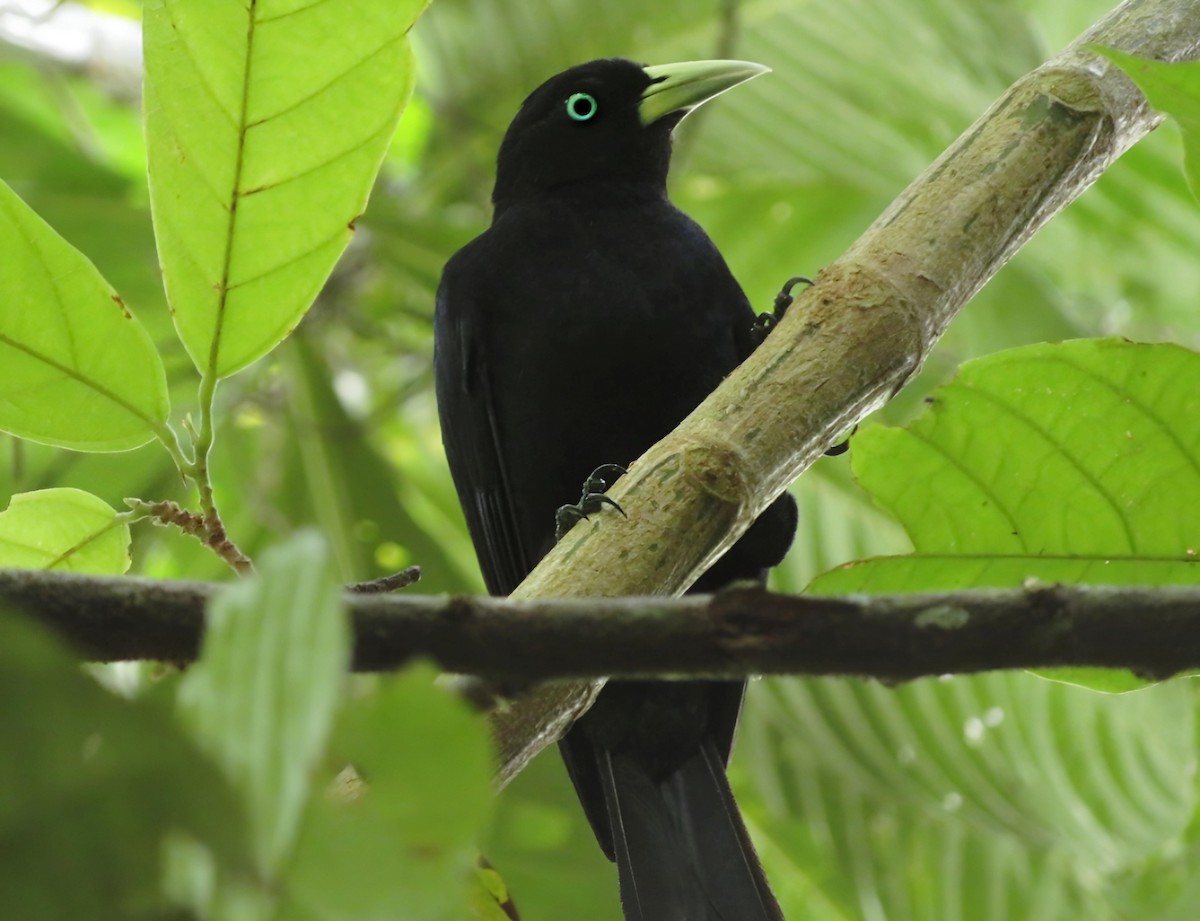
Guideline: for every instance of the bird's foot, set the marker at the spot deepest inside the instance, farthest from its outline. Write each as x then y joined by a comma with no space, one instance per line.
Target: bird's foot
783,300
592,500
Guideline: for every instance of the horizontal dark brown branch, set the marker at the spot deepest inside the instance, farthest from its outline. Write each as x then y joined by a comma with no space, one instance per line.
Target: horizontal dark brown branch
1153,631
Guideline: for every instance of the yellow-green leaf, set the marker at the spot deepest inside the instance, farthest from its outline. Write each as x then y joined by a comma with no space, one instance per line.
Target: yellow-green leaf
1174,89
1069,462
63,529
1075,462
265,126
77,370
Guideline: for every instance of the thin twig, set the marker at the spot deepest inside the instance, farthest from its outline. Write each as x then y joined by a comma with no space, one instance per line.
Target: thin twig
385,584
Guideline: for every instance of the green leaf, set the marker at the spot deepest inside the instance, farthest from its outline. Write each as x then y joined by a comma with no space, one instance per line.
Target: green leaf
1072,462
76,368
950,571
262,697
490,898
90,788
409,838
1077,462
1174,89
63,529
265,125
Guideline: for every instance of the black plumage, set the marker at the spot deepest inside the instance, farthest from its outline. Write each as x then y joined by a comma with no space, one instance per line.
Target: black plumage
579,329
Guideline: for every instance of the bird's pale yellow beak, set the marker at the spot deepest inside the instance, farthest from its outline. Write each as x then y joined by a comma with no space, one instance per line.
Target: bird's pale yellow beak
684,86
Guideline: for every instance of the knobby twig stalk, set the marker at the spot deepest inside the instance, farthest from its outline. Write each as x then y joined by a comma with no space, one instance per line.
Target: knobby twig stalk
856,337
208,530
206,526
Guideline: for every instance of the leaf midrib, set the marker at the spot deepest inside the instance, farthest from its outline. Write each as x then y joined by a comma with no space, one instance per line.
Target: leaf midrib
214,351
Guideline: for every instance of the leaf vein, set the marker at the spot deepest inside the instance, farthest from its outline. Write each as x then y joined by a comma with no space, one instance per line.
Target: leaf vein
1145,410
320,90
308,171
279,266
295,12
80,378
202,80
983,487
214,351
1060,450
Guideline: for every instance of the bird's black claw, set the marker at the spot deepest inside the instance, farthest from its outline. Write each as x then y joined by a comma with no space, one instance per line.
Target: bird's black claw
783,300
762,328
592,500
597,481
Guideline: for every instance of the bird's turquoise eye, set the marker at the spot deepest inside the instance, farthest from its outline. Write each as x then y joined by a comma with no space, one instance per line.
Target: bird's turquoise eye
581,106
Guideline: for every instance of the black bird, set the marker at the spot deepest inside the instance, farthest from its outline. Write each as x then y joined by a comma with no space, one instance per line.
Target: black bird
577,331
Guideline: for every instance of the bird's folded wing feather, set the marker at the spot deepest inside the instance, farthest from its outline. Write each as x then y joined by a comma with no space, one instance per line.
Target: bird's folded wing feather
471,435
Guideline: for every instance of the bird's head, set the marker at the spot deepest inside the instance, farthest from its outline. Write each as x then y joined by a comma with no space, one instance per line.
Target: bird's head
607,120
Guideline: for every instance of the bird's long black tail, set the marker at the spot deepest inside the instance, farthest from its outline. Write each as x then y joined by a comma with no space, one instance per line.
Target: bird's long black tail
682,850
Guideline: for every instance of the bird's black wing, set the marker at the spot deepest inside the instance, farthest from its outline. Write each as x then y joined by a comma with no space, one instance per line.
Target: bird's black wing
471,427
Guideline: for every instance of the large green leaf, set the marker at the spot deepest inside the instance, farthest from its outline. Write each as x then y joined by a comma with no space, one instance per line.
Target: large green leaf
76,368
90,788
266,124
261,700
1075,462
63,529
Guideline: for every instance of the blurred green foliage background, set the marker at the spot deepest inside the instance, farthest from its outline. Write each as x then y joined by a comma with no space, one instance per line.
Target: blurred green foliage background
997,797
